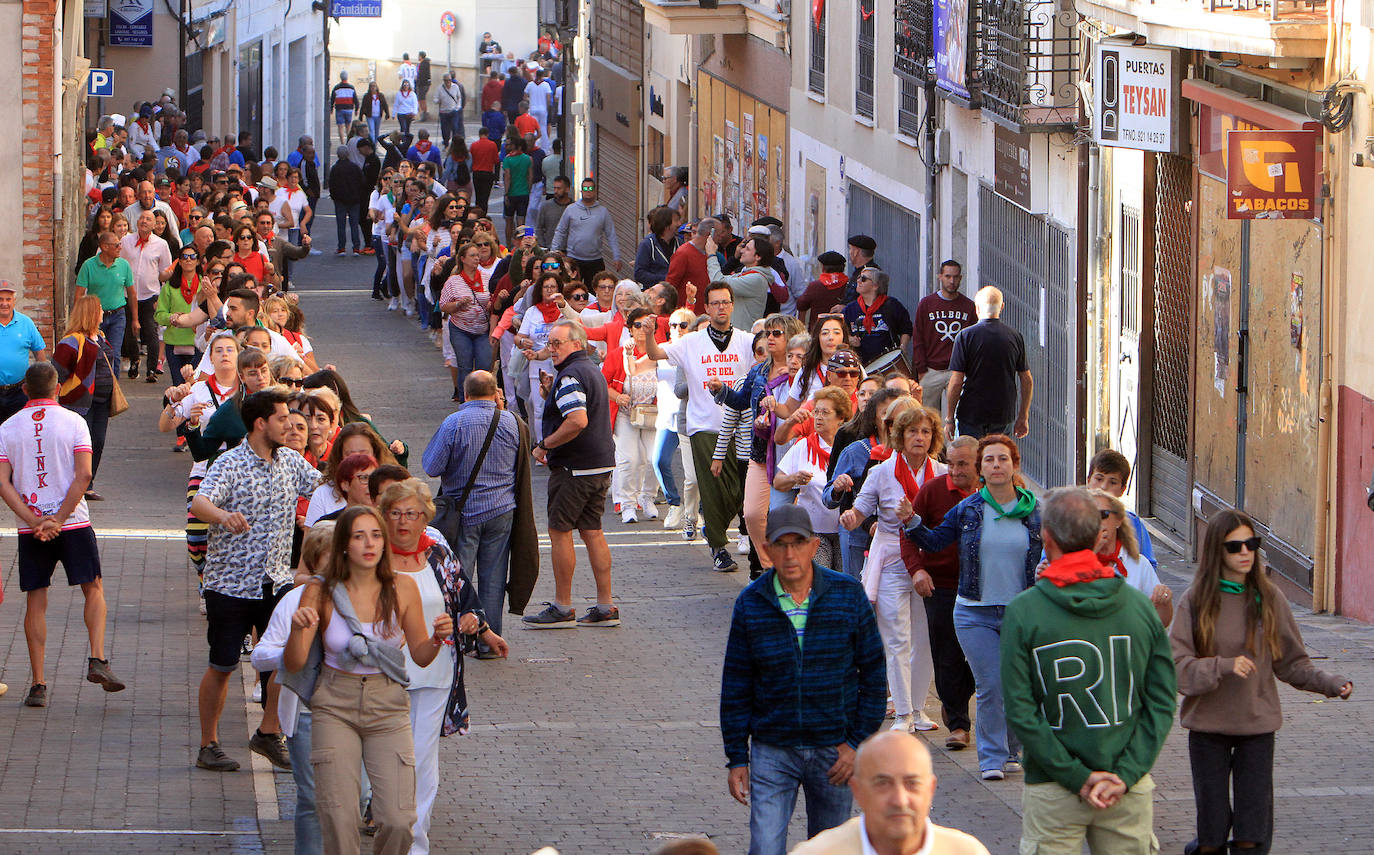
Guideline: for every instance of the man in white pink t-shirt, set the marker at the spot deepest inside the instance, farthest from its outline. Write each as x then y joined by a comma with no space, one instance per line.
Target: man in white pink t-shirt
45,467
717,352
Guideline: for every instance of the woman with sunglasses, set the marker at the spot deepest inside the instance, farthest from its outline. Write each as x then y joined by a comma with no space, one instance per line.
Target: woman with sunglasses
247,254
998,533
466,300
1232,636
628,296
179,295
195,218
1117,547
533,340
633,383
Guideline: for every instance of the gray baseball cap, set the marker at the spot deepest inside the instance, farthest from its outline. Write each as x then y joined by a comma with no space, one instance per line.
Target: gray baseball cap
789,519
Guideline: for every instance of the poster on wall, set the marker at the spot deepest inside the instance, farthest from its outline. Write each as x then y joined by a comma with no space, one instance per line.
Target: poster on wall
951,46
761,186
747,170
814,228
710,188
131,23
1221,328
1295,311
779,188
1272,175
731,180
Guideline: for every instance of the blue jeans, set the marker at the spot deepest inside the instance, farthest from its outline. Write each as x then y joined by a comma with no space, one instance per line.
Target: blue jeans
307,822
665,446
346,224
470,351
775,773
853,545
484,552
979,629
374,125
113,325
175,361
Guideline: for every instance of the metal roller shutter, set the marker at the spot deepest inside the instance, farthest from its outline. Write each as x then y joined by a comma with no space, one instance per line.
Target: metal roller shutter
617,178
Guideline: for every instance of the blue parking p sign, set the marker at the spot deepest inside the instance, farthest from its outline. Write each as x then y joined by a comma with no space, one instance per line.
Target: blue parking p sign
100,83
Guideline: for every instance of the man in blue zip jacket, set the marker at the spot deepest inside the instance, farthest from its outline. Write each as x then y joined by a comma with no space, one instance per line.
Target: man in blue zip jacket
805,682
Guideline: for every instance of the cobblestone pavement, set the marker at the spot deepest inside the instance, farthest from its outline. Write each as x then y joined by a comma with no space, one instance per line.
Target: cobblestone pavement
595,742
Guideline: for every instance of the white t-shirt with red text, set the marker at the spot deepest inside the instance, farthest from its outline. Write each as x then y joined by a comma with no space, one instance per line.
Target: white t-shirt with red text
40,443
700,361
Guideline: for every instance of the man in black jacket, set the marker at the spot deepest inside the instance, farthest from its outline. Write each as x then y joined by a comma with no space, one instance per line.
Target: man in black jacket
513,93
346,189
422,81
372,172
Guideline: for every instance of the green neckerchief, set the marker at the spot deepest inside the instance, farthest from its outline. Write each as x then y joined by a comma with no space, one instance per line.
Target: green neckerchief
1025,503
1229,587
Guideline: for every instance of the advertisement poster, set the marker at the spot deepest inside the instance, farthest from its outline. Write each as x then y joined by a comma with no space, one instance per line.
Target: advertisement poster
779,188
1221,328
761,187
1136,97
1271,175
1295,311
131,23
951,46
730,183
711,187
747,174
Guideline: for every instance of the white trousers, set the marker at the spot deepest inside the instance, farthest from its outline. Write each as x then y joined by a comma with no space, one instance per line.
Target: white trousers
691,493
634,481
901,616
426,720
536,402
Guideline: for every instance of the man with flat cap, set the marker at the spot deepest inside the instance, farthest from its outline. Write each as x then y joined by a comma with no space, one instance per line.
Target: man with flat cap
862,248
893,784
827,293
791,721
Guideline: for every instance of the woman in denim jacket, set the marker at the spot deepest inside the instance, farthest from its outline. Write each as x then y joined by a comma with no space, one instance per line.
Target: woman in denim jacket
998,531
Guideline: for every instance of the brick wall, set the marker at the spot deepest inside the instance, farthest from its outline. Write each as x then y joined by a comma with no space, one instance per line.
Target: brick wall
618,33
41,107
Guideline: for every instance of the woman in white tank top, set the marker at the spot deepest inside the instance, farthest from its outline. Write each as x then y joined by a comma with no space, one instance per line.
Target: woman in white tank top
359,707
438,701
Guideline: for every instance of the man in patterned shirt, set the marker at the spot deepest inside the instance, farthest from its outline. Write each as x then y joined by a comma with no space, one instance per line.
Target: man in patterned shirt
248,497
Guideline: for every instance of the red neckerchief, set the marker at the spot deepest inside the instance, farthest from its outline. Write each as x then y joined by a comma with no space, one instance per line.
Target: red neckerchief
820,372
216,391
271,236
871,311
1081,566
880,452
425,543
834,281
1113,559
423,146
145,125
293,337
475,283
816,453
907,478
290,190
139,242
189,294
549,310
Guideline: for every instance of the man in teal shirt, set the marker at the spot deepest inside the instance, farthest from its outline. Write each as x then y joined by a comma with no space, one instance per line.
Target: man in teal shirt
517,174
19,338
109,277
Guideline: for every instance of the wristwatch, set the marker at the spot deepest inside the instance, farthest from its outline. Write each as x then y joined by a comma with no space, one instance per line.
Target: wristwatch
540,444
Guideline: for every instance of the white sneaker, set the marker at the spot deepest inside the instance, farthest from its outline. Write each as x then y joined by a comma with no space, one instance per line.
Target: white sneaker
257,692
650,512
410,309
628,516
673,519
994,775
902,723
742,547
689,530
920,721
394,304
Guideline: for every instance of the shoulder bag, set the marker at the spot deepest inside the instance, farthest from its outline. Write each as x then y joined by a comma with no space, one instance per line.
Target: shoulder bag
118,403
448,510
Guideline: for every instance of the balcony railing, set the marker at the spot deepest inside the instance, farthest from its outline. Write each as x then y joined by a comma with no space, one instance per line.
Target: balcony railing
1027,63
1295,29
914,39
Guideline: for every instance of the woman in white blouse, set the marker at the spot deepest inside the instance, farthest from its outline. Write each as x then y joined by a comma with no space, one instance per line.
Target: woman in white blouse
917,436
633,384
803,469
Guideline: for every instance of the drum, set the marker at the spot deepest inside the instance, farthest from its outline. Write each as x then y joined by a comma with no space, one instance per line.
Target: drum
890,363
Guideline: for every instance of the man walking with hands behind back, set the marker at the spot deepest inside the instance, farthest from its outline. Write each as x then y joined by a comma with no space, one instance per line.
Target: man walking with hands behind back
45,467
987,369
1089,684
805,682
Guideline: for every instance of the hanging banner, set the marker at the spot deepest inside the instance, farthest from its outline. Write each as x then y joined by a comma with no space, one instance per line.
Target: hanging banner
1137,97
131,23
1271,175
951,46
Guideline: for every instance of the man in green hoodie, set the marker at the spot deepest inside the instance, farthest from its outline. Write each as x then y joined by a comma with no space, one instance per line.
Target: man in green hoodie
1089,689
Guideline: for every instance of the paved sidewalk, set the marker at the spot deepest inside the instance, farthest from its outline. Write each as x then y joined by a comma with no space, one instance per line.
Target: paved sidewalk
595,742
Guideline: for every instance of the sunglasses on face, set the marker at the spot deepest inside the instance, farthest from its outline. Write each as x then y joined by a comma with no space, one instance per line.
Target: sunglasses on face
639,325
551,265
682,325
578,297
844,372
777,333
190,256
1104,513
195,217
294,381
1235,546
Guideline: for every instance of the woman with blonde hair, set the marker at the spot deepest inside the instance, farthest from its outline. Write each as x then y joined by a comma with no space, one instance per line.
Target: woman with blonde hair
633,384
1117,546
803,469
917,438
438,701
85,375
281,316
362,613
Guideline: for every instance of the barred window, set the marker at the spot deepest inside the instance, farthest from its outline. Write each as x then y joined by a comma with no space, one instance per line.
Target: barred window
908,107
816,77
863,89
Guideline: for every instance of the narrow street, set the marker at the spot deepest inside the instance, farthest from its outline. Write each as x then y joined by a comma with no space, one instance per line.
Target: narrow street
591,742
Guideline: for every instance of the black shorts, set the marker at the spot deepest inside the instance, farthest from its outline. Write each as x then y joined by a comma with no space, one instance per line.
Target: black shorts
232,618
516,206
75,548
576,501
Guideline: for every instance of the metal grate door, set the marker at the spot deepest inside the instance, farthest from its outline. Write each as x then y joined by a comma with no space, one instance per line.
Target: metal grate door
898,233
1170,484
1034,261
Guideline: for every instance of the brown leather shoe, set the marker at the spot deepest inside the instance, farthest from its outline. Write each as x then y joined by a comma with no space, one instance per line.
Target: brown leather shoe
957,740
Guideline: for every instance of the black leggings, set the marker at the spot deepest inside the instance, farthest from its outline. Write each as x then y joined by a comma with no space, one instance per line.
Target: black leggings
148,333
1233,786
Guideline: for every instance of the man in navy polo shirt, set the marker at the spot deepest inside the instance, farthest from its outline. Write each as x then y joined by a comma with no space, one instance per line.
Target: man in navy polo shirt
19,338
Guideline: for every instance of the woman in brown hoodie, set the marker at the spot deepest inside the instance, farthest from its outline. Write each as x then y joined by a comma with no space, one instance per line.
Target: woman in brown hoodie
1233,634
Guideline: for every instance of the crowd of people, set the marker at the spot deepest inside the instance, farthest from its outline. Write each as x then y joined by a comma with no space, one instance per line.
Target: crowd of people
861,453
